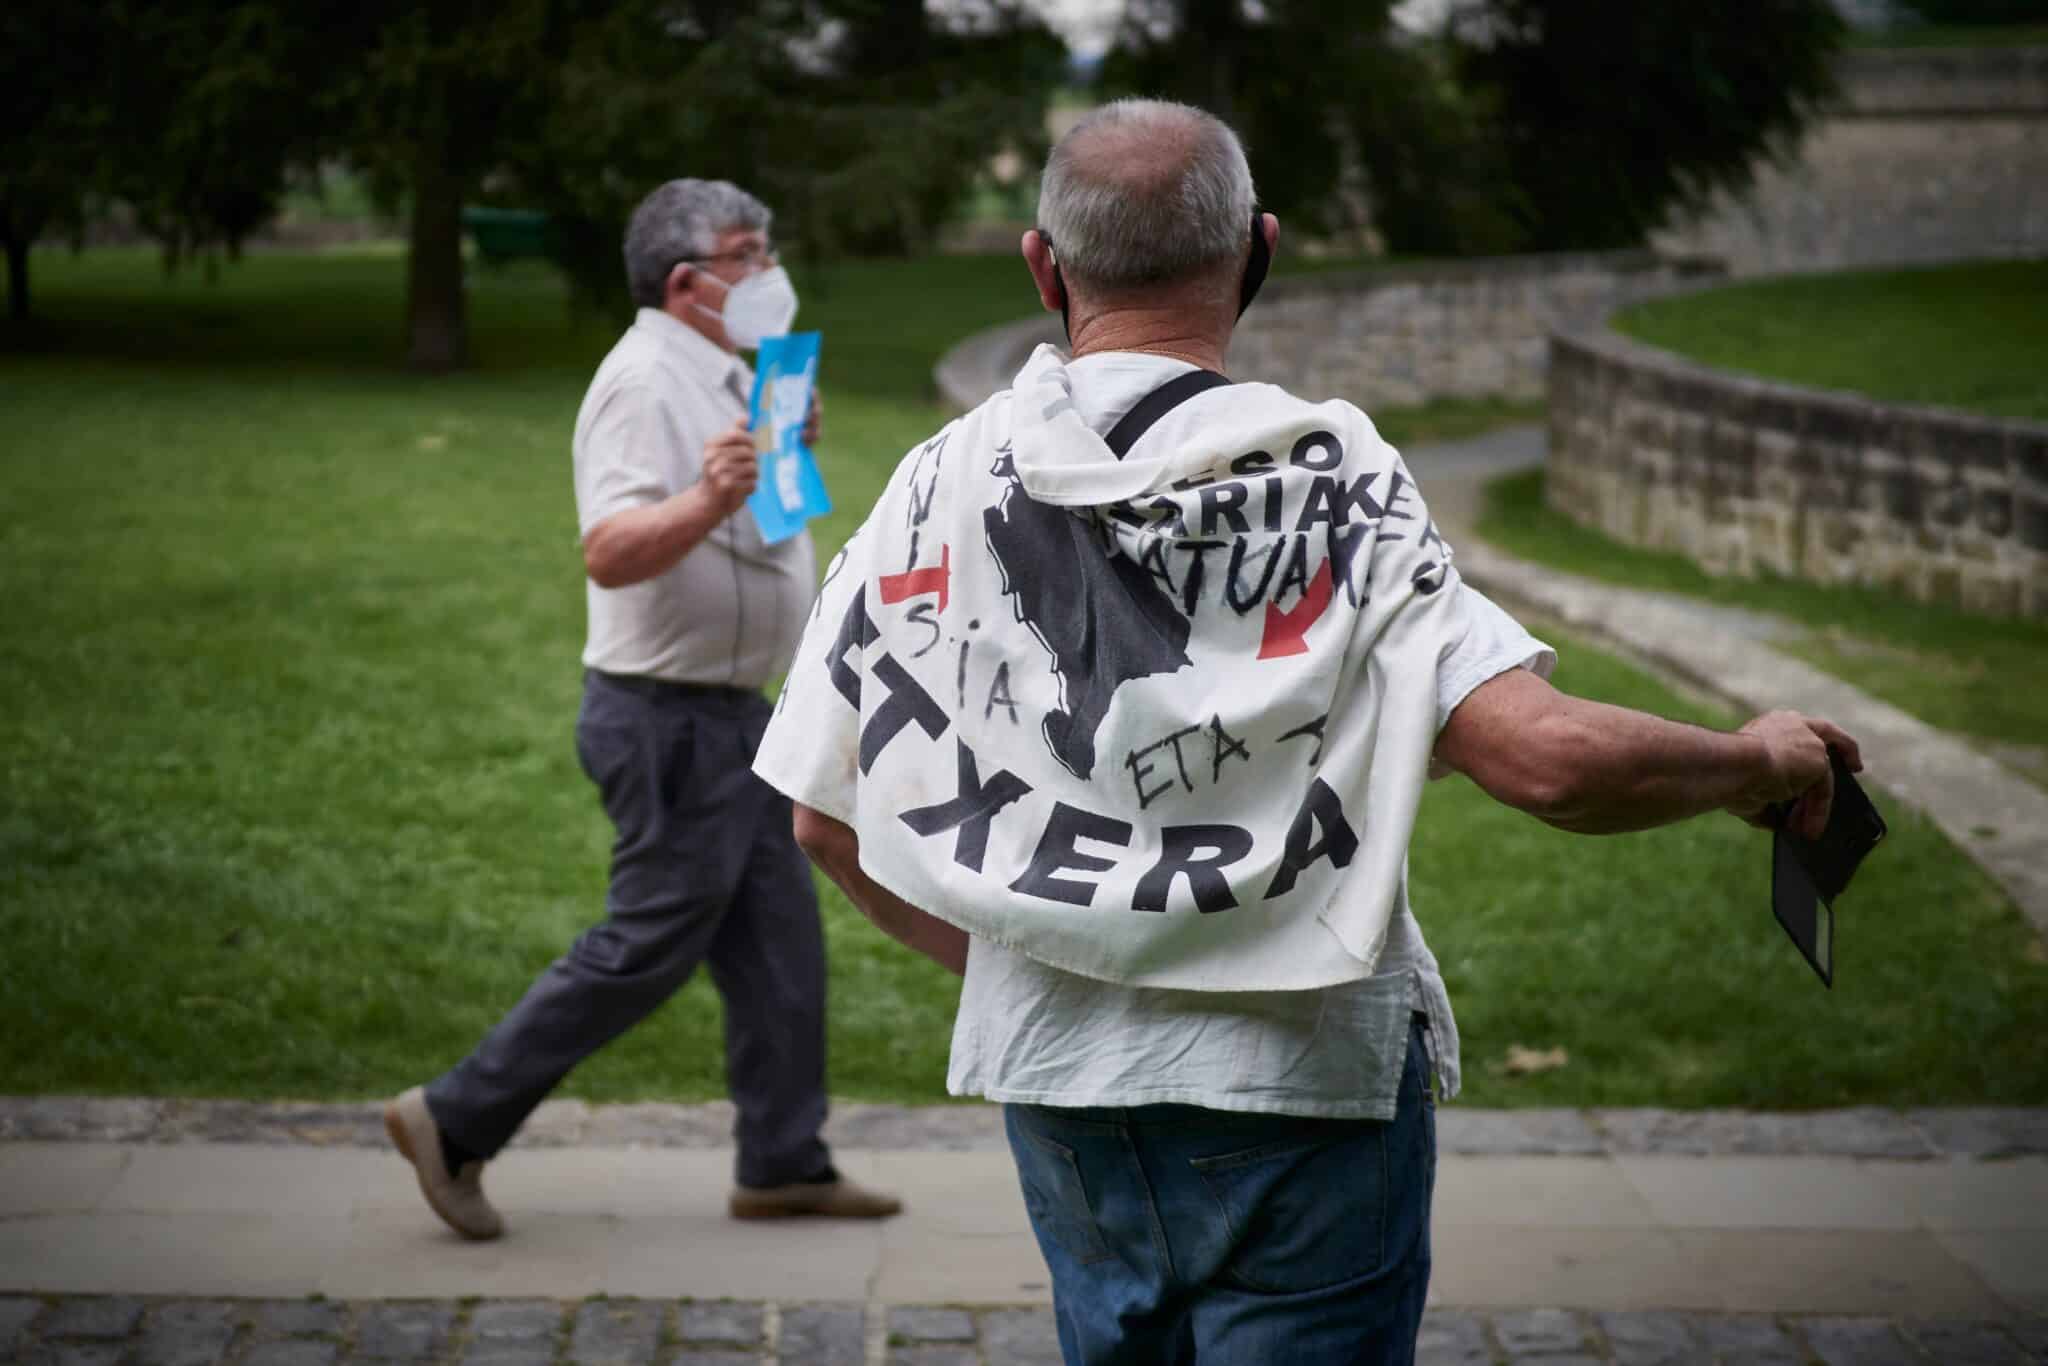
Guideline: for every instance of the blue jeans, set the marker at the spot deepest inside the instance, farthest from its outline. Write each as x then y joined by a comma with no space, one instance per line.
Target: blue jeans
1177,1233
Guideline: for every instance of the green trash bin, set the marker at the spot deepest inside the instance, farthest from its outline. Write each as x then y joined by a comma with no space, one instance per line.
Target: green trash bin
503,235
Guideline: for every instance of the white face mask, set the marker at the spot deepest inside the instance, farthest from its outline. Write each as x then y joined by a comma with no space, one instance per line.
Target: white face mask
762,305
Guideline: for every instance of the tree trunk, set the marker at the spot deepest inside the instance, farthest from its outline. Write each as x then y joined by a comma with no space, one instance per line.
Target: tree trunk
17,278
437,326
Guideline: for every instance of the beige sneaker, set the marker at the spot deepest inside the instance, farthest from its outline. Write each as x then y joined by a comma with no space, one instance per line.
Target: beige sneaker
835,1199
458,1199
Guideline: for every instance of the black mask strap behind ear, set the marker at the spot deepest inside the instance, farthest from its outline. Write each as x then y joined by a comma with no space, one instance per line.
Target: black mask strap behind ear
1254,268
1059,282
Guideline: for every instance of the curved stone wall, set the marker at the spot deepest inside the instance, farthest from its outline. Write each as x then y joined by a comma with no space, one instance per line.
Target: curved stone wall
1933,155
1742,475
1392,335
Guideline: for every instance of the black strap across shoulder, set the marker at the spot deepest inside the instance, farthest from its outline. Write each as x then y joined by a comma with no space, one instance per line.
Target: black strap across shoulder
1158,404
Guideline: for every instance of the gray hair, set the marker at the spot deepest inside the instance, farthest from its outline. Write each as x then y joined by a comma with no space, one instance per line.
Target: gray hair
1144,191
679,220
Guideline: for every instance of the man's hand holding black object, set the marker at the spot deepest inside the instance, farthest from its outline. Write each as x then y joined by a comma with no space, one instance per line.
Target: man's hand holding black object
1797,771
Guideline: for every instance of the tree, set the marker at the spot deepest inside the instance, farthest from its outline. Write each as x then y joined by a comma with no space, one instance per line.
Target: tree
1525,125
1973,13
188,114
1610,118
52,98
1349,122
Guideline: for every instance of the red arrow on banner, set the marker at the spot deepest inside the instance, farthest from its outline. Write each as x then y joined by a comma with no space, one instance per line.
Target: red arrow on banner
1287,632
917,582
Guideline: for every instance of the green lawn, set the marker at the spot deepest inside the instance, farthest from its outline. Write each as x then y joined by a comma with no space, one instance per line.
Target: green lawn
1969,336
289,805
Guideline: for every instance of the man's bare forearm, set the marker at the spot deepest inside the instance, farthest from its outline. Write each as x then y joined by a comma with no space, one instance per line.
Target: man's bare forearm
834,847
1630,770
635,545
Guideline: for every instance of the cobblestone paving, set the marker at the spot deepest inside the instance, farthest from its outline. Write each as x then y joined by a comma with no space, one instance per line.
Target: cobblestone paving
142,1331
1865,1131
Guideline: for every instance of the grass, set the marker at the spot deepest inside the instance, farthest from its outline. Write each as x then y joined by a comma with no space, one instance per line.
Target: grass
1955,670
288,805
1967,336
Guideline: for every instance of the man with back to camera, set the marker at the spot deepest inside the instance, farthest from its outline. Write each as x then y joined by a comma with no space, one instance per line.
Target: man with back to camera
690,614
1120,704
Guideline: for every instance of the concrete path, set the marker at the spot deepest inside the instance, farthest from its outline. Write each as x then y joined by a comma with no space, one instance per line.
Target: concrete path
1937,1215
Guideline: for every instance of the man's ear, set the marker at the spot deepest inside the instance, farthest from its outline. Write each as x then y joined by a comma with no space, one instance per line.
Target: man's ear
678,279
1037,254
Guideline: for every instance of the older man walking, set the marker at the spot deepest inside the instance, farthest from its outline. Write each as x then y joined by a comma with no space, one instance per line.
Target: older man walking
691,613
1122,702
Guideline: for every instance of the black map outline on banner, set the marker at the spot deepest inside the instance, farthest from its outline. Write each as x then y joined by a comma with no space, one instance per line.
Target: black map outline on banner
1104,621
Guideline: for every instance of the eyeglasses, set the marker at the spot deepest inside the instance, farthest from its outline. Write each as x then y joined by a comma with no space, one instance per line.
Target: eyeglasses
748,256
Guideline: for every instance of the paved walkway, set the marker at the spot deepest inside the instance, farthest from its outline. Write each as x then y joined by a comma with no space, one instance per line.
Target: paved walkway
1561,1235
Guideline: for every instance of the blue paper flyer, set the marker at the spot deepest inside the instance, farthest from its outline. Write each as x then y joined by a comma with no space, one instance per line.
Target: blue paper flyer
791,491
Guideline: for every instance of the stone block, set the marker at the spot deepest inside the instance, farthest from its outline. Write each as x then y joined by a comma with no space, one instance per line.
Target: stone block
824,1335
1751,1340
187,1333
1449,1338
2030,522
294,1352
114,1316
724,1321
1994,511
17,1312
916,1323
301,1318
1020,1337
1652,1339
403,1332
615,1332
1964,1343
1533,1332
1948,505
1858,1342
503,1322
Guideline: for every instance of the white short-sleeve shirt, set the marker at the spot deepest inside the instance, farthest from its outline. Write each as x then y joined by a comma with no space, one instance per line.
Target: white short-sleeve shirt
1028,1032
732,610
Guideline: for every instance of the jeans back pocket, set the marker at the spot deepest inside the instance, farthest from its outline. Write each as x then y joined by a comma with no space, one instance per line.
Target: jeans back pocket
1055,1196
1304,1213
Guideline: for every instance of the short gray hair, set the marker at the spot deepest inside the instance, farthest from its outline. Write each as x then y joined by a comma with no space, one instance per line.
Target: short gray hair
679,220
1143,191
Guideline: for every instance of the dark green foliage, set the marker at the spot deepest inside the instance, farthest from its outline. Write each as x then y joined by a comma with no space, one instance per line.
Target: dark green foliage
1525,125
1976,12
1610,117
190,115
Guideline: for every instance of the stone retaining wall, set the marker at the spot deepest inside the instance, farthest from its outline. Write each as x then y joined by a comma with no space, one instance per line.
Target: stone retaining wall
1742,475
1390,336
1933,155
1467,329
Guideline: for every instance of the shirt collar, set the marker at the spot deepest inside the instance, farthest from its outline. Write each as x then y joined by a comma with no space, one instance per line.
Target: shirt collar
693,347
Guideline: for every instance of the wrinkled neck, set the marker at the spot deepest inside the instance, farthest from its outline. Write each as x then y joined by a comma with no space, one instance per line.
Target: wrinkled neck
1170,332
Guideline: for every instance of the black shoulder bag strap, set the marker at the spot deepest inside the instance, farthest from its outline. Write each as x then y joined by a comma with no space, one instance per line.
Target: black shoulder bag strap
1158,404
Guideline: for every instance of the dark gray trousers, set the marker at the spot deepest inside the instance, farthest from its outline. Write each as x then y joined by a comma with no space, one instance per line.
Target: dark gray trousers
705,869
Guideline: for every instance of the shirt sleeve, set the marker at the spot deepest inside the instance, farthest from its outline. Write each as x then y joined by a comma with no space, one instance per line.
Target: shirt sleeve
625,457
811,751
1492,643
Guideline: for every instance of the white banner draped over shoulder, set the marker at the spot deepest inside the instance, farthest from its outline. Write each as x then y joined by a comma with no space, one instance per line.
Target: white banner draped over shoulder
1162,720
